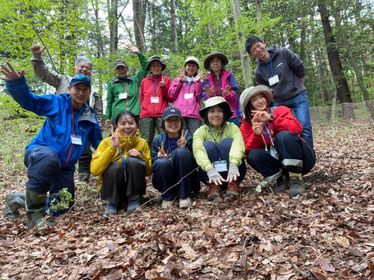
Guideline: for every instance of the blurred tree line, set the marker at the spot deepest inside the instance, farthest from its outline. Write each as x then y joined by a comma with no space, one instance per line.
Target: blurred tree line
334,38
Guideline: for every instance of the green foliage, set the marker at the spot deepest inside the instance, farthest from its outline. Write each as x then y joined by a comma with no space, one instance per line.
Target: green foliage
62,201
12,110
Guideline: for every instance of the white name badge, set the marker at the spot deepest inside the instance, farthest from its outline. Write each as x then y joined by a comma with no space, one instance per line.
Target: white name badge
155,99
123,95
76,139
220,165
273,80
188,95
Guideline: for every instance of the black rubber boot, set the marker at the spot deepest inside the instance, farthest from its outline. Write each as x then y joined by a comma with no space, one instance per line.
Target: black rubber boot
13,202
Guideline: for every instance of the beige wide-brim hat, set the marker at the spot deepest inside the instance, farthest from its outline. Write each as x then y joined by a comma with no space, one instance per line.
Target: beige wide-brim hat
192,59
212,55
216,101
250,92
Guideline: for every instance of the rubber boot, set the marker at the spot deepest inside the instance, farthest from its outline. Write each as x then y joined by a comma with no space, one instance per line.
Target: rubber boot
35,206
13,202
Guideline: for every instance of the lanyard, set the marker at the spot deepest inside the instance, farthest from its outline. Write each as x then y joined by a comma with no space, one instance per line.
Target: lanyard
271,66
154,84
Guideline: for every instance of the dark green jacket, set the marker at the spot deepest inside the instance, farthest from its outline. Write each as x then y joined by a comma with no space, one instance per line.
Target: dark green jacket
130,85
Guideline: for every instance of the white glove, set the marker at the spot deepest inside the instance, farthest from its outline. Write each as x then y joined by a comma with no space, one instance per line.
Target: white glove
233,173
215,177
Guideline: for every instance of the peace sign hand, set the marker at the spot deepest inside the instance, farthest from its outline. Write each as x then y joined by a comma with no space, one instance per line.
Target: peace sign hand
182,142
162,83
161,151
9,72
114,138
227,90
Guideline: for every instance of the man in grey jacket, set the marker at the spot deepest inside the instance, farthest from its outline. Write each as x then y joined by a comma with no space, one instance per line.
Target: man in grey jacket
283,71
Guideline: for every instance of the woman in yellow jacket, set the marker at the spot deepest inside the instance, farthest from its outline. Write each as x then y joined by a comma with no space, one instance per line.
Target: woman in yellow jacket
122,161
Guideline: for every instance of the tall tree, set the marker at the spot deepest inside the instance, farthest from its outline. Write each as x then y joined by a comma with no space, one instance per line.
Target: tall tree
113,25
174,38
139,11
342,89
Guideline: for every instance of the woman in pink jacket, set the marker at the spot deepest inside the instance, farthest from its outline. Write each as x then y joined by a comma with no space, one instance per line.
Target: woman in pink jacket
185,92
221,82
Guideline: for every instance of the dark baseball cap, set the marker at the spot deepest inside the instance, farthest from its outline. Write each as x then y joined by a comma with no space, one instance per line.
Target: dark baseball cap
80,79
171,112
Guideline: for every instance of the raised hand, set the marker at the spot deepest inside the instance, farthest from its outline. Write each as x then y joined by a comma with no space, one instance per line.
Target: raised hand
132,48
226,91
262,116
182,77
114,138
9,72
36,49
162,83
161,151
182,141
209,91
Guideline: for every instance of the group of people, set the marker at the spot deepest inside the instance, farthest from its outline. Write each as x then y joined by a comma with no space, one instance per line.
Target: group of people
182,132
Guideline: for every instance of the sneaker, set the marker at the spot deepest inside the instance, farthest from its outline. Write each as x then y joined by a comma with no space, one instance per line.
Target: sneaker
297,186
166,204
185,203
111,209
282,184
132,205
213,192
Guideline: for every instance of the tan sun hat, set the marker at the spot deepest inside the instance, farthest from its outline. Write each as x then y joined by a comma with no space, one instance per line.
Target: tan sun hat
250,92
216,101
192,59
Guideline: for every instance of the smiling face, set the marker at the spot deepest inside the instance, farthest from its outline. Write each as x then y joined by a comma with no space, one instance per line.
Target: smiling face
121,71
258,102
83,68
216,116
259,51
173,126
191,69
79,95
215,65
156,68
126,125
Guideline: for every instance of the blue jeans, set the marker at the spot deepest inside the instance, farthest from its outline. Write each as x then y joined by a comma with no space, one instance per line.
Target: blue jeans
300,106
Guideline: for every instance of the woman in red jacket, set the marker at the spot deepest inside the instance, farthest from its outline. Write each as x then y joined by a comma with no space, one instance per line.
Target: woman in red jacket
272,141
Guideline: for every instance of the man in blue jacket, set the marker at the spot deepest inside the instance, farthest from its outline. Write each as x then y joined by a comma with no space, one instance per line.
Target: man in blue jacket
50,157
283,71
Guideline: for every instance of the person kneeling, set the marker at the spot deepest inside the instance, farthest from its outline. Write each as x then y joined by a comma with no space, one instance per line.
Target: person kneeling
274,147
218,148
122,161
173,161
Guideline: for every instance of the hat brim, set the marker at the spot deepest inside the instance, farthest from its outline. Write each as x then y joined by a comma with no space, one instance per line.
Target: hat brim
261,89
221,56
163,65
171,115
122,64
224,105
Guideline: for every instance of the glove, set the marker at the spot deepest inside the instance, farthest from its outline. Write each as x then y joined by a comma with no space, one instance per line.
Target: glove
215,177
233,173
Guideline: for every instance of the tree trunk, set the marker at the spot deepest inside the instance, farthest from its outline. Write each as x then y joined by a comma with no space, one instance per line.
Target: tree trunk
246,68
174,38
113,25
342,89
139,11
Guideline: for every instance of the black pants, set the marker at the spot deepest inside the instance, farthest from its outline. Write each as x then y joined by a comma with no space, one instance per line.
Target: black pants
124,181
295,155
85,161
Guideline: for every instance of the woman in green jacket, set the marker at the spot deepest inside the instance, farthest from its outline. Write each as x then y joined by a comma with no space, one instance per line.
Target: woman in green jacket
218,148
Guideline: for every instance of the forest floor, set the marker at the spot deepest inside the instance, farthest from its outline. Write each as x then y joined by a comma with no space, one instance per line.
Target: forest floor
328,233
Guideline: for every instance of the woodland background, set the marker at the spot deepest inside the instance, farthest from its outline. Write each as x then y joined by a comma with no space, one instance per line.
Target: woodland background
325,234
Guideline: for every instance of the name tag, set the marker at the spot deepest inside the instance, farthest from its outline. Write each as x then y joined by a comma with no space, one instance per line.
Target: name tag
188,95
123,95
155,99
273,80
76,139
220,165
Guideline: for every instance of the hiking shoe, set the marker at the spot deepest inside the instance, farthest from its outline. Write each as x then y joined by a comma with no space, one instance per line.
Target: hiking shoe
166,204
110,209
282,184
213,192
185,203
297,186
132,205
232,190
